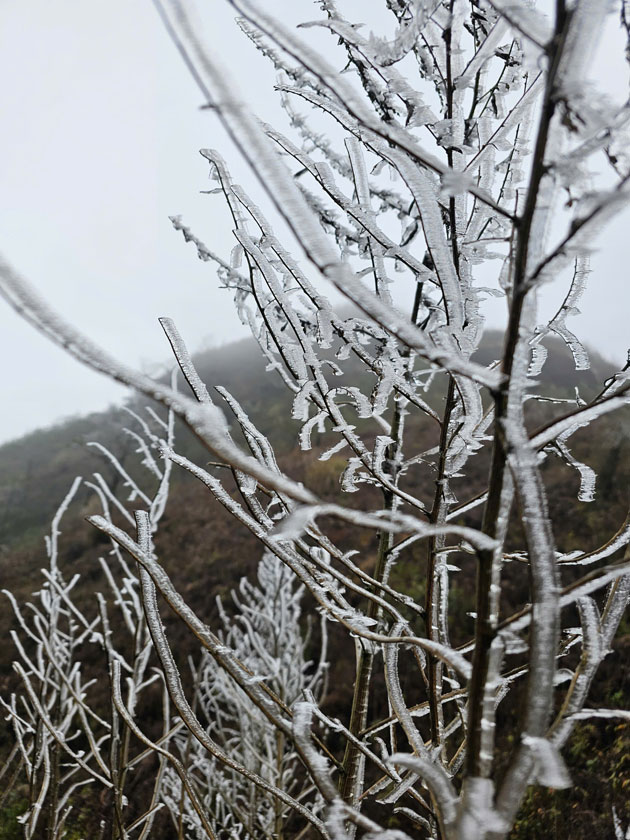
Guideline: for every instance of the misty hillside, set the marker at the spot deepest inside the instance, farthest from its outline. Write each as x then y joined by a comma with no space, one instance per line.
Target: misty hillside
37,469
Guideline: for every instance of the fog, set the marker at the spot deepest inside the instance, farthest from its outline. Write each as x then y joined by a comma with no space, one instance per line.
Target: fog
102,127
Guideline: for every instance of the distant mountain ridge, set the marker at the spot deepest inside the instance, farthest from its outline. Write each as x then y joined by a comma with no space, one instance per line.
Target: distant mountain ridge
37,469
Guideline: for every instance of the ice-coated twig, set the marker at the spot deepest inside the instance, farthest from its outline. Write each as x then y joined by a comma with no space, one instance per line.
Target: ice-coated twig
277,181
124,713
619,540
437,782
526,20
178,696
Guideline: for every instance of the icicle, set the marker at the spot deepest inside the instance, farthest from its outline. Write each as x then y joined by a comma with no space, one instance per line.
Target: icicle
588,477
380,446
325,330
307,429
349,478
383,388
539,357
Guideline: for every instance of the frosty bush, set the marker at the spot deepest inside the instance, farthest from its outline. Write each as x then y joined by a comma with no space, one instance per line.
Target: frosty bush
468,157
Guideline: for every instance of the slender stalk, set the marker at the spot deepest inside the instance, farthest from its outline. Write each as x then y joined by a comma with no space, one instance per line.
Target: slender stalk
353,758
437,516
509,415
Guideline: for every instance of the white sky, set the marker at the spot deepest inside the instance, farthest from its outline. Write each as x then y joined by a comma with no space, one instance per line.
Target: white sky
101,132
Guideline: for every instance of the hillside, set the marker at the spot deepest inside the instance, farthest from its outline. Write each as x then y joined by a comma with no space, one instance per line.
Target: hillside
37,469
206,554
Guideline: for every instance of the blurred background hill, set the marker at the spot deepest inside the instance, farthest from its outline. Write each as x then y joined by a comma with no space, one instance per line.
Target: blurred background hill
206,553
37,469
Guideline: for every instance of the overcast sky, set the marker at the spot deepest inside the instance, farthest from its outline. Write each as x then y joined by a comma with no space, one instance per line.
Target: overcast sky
101,131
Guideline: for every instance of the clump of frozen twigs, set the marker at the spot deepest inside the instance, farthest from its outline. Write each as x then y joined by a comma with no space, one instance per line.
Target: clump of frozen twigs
66,736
